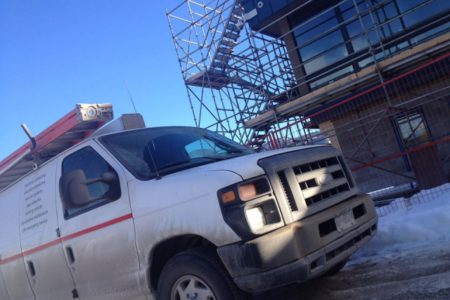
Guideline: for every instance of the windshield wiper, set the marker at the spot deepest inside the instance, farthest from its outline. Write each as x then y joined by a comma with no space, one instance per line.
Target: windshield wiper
183,165
234,151
214,158
174,164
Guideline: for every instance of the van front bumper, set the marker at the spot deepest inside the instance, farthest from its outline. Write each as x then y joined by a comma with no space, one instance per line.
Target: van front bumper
302,250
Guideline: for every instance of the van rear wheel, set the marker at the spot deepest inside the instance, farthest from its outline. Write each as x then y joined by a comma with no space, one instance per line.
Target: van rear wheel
196,275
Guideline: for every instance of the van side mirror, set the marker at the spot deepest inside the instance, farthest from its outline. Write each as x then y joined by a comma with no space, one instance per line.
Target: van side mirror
75,187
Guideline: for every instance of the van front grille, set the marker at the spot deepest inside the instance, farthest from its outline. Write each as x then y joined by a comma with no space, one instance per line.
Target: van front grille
308,181
321,180
311,166
327,194
287,191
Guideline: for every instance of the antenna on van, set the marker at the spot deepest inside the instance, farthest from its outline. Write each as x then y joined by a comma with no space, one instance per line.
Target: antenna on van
130,96
30,136
150,152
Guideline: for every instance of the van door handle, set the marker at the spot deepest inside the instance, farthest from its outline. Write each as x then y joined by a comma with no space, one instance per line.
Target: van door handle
70,255
31,268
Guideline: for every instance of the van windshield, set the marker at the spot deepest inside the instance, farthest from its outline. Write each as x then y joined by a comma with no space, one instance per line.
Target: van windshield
150,152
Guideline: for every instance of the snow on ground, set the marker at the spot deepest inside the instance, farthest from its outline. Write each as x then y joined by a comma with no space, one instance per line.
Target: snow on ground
425,222
408,259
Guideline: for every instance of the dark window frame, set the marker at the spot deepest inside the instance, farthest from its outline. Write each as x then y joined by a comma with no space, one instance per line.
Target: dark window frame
95,204
408,115
392,42
398,135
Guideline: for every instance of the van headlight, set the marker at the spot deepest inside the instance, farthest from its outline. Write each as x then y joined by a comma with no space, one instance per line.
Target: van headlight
255,218
249,207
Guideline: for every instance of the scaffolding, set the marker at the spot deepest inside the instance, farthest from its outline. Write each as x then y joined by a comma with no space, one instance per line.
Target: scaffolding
241,82
246,84
232,74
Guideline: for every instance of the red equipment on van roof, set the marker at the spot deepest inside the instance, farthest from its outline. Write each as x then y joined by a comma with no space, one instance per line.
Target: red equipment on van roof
71,129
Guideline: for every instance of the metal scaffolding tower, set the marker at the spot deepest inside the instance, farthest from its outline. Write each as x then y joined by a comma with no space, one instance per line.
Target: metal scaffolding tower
363,75
242,83
232,74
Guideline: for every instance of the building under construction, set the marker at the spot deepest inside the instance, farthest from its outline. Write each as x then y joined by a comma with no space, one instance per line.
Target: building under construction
371,77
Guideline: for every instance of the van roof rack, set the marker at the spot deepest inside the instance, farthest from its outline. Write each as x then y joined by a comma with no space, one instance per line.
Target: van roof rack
71,129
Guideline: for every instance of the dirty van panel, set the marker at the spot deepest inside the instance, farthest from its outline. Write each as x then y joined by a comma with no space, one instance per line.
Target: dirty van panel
43,253
97,232
11,264
3,292
16,280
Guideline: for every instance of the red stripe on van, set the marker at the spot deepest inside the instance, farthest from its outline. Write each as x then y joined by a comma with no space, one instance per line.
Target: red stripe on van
96,227
11,258
66,238
41,247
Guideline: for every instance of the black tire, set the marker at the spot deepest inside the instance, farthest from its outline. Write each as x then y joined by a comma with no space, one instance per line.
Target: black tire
197,263
334,270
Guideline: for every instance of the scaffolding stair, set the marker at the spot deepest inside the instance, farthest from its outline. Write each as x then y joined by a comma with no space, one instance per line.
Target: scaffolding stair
214,76
257,89
258,139
228,41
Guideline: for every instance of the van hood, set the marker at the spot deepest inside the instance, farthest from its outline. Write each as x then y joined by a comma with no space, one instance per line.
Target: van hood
247,166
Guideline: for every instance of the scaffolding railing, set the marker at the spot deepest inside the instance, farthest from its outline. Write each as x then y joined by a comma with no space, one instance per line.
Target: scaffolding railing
234,74
243,82
229,77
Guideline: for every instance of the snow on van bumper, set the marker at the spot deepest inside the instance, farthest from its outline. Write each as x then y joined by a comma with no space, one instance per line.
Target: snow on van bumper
302,250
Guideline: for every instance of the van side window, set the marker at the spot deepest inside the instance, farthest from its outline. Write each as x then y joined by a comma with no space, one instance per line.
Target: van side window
87,182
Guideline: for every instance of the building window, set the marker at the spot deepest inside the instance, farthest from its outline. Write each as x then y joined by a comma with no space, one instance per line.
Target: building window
321,43
412,128
420,10
335,41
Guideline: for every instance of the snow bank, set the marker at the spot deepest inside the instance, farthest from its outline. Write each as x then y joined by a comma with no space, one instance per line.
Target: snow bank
422,223
417,199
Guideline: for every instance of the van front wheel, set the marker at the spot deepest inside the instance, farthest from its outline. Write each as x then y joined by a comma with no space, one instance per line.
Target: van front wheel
196,275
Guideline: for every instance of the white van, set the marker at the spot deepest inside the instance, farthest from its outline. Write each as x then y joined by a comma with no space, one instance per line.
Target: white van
171,213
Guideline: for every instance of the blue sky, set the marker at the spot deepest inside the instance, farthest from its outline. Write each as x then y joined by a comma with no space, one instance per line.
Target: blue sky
54,54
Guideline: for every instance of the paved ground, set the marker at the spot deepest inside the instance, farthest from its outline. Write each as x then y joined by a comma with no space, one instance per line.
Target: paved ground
419,272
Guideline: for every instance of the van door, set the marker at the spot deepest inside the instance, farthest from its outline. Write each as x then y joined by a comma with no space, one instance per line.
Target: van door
97,226
3,292
11,263
42,251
